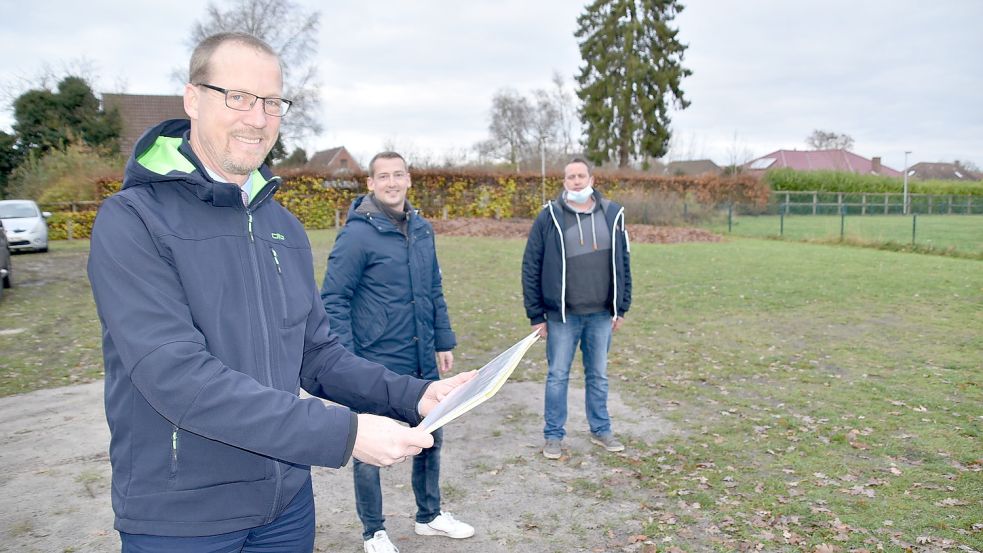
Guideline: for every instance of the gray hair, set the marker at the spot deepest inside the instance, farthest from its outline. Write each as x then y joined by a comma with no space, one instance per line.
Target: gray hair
198,68
384,155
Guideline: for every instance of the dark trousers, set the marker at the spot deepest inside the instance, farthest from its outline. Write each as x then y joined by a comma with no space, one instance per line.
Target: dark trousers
426,488
291,532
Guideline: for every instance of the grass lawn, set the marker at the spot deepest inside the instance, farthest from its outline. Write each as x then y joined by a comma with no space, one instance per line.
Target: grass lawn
822,394
953,234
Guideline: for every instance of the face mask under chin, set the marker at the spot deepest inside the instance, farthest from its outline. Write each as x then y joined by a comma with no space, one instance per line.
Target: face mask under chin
581,196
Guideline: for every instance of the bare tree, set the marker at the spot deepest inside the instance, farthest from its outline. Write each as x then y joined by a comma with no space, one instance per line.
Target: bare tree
293,34
825,140
567,113
545,121
511,120
738,154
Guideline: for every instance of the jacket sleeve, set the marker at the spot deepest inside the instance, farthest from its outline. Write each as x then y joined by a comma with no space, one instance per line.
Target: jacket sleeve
160,352
332,372
532,271
624,302
444,338
346,263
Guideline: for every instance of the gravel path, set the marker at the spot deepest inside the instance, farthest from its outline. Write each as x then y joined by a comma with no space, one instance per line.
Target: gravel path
55,474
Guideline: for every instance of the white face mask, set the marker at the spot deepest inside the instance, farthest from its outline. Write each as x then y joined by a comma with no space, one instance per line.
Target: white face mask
581,196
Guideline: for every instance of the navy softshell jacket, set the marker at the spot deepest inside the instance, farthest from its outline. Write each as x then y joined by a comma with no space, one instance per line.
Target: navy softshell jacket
211,325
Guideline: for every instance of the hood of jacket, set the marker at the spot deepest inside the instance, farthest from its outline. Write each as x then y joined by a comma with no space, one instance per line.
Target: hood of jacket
164,154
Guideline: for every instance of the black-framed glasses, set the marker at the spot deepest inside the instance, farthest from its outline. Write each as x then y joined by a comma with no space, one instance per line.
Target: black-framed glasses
244,101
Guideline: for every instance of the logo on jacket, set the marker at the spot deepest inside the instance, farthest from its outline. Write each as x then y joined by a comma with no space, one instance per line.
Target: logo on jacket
278,236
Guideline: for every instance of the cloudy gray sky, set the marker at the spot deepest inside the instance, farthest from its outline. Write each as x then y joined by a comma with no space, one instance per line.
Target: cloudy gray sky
895,75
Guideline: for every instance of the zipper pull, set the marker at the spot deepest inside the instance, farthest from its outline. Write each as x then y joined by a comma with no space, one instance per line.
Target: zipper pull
250,215
276,261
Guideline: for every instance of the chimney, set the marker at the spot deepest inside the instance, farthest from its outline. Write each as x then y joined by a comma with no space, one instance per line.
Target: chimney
875,165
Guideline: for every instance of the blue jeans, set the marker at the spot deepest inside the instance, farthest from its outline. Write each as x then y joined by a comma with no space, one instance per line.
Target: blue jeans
593,332
291,532
426,488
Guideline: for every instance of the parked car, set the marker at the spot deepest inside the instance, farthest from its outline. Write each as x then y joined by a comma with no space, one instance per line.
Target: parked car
4,260
25,224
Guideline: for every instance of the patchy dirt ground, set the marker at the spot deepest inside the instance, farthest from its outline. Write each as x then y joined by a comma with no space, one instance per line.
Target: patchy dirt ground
519,228
55,472
54,482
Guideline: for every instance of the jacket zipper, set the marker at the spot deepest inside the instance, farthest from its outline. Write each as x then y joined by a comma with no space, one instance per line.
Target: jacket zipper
173,473
279,282
563,265
265,331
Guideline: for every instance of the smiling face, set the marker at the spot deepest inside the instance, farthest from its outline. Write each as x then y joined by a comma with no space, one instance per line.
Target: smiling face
576,177
389,182
234,143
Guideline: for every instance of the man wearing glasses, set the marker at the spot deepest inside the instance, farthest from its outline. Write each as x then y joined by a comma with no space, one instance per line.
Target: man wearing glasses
383,295
211,325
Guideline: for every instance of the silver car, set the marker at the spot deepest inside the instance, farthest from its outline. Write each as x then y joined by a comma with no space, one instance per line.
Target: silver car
5,269
25,224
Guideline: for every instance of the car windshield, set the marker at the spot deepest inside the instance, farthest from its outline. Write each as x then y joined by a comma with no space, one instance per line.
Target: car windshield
17,211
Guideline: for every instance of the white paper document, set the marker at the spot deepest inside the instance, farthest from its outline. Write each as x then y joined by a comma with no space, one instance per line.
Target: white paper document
483,386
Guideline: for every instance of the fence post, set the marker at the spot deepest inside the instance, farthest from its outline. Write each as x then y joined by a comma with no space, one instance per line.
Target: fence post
730,217
443,214
863,204
839,201
885,203
337,218
914,221
930,196
815,200
842,221
950,204
969,205
781,222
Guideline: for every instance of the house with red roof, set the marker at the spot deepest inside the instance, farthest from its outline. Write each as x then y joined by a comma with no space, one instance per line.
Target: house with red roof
333,161
820,160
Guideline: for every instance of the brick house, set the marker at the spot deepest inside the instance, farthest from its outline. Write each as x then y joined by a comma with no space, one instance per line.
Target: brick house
138,112
333,161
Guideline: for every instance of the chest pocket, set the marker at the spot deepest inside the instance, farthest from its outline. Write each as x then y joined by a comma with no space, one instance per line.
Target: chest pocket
292,297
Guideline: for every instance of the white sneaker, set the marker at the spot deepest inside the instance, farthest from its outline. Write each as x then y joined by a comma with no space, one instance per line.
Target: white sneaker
380,544
445,525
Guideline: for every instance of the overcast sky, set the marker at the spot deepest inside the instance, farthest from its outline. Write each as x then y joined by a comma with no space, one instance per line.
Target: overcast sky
895,75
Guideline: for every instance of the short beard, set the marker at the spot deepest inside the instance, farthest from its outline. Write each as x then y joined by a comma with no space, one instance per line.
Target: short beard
233,167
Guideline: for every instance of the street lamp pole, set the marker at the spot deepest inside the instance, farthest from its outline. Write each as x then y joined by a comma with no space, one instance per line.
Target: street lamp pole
907,207
542,159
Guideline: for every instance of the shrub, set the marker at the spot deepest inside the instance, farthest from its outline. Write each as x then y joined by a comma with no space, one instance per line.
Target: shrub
63,176
839,181
456,193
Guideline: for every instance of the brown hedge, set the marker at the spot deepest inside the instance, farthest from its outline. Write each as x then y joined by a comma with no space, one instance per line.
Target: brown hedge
320,202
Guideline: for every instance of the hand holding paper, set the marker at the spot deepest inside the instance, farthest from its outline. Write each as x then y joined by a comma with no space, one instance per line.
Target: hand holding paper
382,442
439,390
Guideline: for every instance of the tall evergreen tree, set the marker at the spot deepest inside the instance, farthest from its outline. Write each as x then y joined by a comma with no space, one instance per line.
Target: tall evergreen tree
46,119
632,72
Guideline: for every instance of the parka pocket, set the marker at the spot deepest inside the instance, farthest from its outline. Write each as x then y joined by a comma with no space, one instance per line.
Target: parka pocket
369,320
293,311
